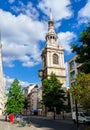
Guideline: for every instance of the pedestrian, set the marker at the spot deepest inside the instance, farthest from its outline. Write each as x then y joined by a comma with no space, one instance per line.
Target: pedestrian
11,118
18,117
6,117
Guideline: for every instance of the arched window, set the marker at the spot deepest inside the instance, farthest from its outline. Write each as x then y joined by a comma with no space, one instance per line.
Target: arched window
55,59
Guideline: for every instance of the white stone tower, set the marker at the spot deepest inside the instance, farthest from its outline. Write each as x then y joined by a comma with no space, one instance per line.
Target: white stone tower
53,55
2,83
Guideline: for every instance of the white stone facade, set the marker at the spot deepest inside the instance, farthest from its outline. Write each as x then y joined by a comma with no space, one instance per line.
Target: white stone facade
34,97
53,55
2,84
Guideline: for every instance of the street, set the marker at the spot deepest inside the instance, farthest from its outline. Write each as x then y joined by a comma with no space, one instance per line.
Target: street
42,123
50,124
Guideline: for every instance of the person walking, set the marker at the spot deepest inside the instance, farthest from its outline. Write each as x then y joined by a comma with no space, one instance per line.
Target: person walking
11,118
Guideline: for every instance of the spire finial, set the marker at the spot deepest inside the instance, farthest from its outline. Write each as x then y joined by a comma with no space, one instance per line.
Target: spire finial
50,14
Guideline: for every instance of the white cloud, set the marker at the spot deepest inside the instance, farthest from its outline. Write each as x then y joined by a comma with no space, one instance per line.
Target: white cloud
10,80
11,1
83,14
60,9
20,36
27,9
66,39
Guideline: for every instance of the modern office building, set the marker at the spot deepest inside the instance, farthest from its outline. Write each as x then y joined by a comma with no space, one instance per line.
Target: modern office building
73,70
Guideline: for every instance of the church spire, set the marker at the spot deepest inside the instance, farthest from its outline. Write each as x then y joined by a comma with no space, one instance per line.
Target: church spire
51,36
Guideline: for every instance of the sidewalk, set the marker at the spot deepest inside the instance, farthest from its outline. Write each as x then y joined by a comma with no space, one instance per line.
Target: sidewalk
51,118
10,126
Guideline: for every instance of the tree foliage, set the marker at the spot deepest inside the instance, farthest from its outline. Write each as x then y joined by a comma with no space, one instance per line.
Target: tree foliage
15,98
53,94
83,50
81,89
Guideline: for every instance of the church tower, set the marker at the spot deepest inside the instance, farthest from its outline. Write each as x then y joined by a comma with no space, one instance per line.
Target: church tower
53,55
2,83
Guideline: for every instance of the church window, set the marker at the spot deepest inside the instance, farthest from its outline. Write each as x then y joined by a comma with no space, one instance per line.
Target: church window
51,37
55,59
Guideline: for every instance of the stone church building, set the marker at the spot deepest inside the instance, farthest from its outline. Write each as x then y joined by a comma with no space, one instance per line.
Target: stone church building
53,56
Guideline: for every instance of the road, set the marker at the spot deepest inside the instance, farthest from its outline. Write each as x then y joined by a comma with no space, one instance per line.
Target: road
50,124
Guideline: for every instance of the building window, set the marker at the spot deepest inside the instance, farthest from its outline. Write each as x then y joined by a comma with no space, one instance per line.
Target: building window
78,70
72,75
77,63
71,64
55,59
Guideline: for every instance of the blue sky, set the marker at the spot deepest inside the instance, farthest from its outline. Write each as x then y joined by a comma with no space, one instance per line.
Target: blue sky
23,26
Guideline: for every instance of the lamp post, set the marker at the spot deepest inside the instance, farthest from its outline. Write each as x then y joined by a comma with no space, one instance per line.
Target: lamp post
54,112
76,114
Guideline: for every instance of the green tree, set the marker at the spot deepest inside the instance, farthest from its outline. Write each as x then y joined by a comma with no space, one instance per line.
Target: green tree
15,98
83,50
53,94
81,90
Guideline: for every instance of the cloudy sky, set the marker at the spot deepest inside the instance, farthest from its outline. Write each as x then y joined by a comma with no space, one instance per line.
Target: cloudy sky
23,26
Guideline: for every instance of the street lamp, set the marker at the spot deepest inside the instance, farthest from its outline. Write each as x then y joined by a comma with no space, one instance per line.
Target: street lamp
76,114
54,112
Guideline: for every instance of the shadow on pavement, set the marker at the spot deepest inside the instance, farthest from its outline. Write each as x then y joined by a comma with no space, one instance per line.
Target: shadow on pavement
56,124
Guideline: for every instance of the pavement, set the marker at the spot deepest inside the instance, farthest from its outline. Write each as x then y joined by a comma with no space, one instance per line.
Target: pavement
5,125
